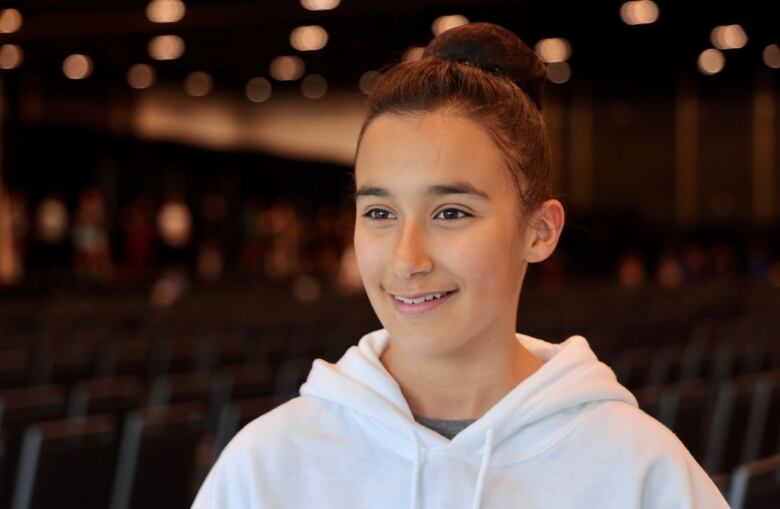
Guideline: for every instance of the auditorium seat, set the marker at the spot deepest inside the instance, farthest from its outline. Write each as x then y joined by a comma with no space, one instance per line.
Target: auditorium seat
157,456
125,357
239,413
291,375
723,483
64,364
181,387
649,399
756,485
665,364
770,433
693,363
18,409
181,353
229,348
729,427
115,395
632,366
14,367
67,464
686,410
247,380
194,387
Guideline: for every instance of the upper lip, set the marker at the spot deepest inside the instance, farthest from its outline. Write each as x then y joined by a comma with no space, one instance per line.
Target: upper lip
418,295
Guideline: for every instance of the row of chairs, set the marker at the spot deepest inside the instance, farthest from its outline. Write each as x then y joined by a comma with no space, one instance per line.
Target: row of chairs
715,361
88,463
755,485
119,398
620,317
78,463
146,357
150,354
725,424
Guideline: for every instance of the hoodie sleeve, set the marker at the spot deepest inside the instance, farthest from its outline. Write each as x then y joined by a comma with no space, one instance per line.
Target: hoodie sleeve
676,481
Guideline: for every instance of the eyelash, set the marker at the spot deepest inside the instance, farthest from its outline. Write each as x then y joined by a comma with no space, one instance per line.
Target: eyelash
463,214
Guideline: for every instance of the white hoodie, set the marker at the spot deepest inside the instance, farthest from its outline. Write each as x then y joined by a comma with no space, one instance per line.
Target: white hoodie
567,437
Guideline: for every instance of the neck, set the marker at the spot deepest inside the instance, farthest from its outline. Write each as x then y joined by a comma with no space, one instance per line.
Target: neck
461,386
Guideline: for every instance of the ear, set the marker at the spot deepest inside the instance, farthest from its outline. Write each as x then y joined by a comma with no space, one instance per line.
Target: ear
544,229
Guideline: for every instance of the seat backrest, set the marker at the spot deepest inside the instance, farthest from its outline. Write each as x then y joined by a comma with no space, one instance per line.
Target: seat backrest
632,366
66,464
14,367
18,409
248,380
728,428
126,357
114,395
649,399
686,410
756,485
64,364
157,457
665,365
770,436
181,388
757,419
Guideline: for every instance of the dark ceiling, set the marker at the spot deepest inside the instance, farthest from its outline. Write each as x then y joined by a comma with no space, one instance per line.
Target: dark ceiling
235,40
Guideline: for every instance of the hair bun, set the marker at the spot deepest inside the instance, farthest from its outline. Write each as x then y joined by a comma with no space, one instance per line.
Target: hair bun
494,49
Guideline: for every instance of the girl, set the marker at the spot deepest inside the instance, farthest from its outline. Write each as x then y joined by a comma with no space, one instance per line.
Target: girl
448,407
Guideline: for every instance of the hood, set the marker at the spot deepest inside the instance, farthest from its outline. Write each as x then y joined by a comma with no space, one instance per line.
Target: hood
538,412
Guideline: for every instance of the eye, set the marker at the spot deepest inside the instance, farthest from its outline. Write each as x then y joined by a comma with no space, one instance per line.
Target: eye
378,214
450,214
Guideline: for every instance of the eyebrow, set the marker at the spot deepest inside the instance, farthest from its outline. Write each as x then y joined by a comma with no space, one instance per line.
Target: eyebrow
435,190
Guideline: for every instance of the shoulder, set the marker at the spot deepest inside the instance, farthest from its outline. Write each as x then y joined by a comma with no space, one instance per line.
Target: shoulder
266,453
626,428
629,420
670,475
296,418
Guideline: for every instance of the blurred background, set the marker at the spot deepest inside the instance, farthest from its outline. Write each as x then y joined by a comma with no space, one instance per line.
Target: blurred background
176,219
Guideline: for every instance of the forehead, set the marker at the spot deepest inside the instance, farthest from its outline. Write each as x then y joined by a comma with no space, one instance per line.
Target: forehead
430,147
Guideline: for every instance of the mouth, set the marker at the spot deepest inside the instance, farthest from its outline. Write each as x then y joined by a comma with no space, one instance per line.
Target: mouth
421,297
420,303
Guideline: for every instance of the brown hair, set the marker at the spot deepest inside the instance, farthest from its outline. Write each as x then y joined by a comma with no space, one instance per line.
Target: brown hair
487,74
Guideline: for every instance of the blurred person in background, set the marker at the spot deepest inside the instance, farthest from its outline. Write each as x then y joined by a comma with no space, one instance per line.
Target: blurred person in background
757,260
325,246
724,261
212,238
136,222
632,271
255,237
91,246
695,262
51,223
669,271
13,236
175,228
284,225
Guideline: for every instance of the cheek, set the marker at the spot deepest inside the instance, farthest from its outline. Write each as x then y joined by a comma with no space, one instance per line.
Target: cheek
486,260
369,253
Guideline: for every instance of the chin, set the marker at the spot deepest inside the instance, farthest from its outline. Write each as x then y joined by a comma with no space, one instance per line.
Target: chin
422,340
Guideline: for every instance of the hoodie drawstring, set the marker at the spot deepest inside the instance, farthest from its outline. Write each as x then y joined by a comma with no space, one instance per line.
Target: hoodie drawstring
487,450
414,502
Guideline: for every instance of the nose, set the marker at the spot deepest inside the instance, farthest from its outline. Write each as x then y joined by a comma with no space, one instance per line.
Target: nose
410,257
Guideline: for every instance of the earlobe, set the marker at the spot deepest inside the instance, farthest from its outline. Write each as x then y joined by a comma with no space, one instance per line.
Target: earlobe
545,227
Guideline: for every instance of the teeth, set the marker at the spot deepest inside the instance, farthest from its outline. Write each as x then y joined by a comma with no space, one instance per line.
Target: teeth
422,299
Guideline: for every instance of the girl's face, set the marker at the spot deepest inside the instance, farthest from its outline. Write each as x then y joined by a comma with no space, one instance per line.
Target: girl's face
439,239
